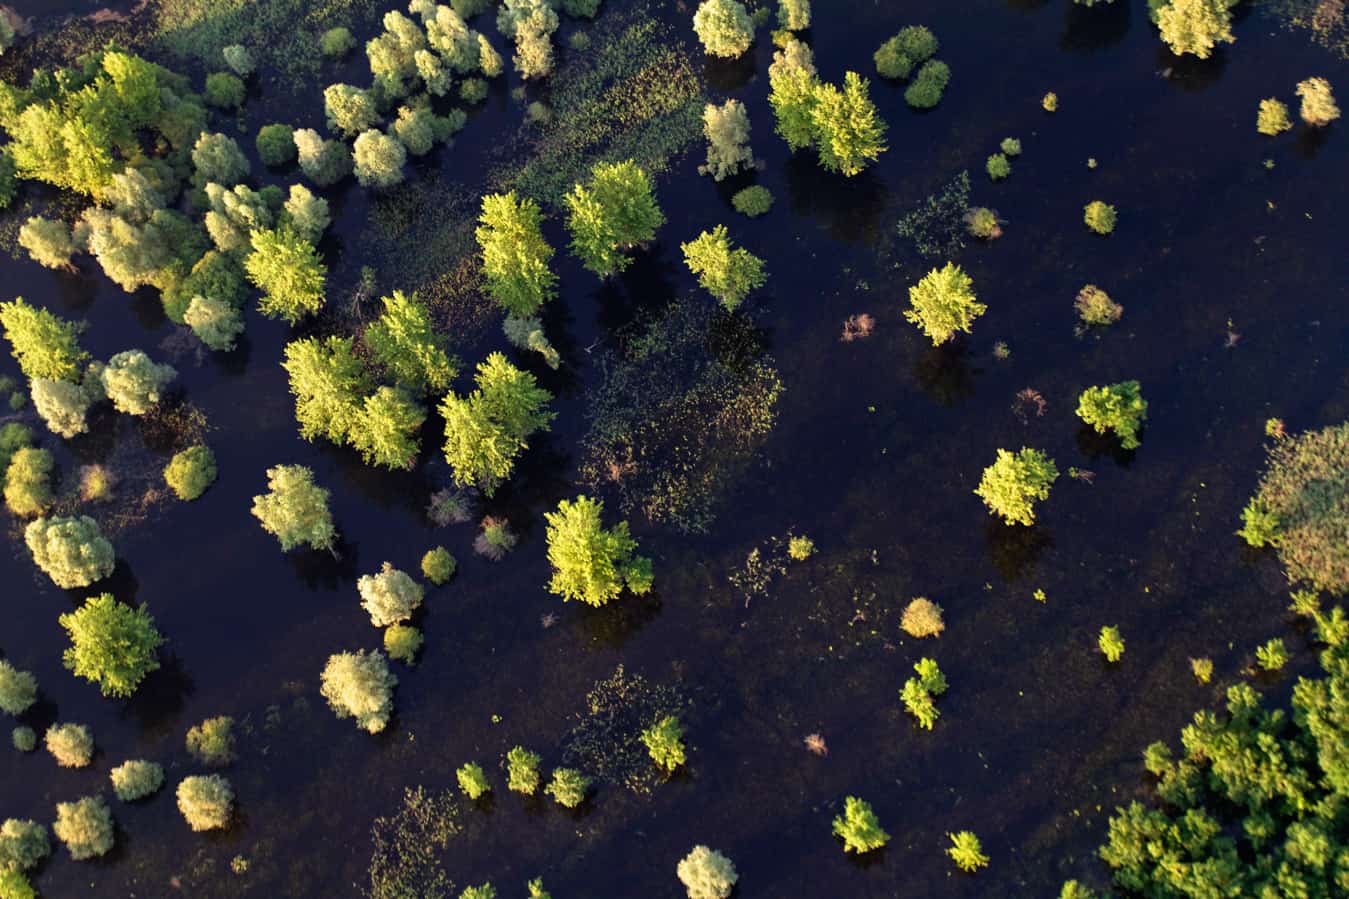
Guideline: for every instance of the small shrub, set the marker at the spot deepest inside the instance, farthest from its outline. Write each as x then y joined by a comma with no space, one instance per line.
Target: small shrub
23,845
728,273
922,618
664,741
983,223
1272,656
438,565
206,801
1318,103
1306,604
276,144
85,827
1094,307
72,745
402,642
568,786
28,490
224,91
859,827
212,742
495,539
23,738
1272,118
800,548
449,506
707,874
927,87
1202,669
998,167
753,201
97,483
1010,146
1099,216
136,779
190,472
473,781
1111,643
1011,486
522,771
966,852
943,303
1117,407
482,891
336,42
1050,103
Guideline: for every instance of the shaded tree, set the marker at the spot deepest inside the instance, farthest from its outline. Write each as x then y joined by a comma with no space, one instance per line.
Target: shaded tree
487,430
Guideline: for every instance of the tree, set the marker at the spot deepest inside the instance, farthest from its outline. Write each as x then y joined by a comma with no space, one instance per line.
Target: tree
753,201
28,489
664,742
45,345
390,596
515,256
1272,118
215,322
728,274
402,642
1117,407
112,644
966,852
793,80
234,215
48,243
216,157
707,874
727,130
136,779
1195,26
416,129
487,430
85,826
276,144
134,382
859,827
438,565
359,685
23,844
386,430
324,162
534,42
18,689
616,210
72,745
724,27
1012,484
943,303
473,780
910,47
1318,102
350,110
328,381
63,405
794,15
522,771
1099,217
289,272
190,472
404,342
336,42
926,90
568,786
225,91
295,509
850,132
206,801
212,741
71,551
306,213
379,159
590,563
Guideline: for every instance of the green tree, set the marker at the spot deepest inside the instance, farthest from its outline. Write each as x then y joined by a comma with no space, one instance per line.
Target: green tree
1195,26
336,42
328,381
289,272
23,845
926,90
111,644
616,210
135,779
386,429
728,274
706,874
910,47
522,771
850,133
1099,217
215,322
1013,483
212,742
225,91
794,15
48,243
404,342
45,345
724,27
134,382
379,159
276,144
18,689
1272,118
1318,102
793,79
85,826
64,405
295,509
324,162
859,827
306,213
350,110
72,745
966,852
71,551
590,563
217,158
664,741
359,685
190,472
1116,407
515,256
568,786
726,128
473,781
438,565
487,430
206,801
402,642
28,489
943,303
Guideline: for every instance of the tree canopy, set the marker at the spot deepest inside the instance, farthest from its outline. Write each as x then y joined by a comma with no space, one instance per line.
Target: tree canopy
112,644
615,210
295,509
487,430
515,255
46,346
728,273
943,303
592,564
1013,483
289,272
72,551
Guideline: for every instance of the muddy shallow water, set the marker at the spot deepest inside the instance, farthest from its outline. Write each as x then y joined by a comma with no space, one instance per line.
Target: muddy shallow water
1233,279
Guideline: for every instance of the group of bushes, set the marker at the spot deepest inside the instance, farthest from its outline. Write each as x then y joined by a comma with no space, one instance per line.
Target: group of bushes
909,51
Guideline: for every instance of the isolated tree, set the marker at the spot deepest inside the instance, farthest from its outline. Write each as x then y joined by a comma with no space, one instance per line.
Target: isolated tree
212,741
190,472
726,273
1318,102
590,563
71,551
568,786
350,110
217,323
793,80
379,159
664,742
45,345
359,685
1116,407
616,210
48,243
1273,117
72,745
850,133
289,272
404,342
134,382
23,843
206,801
27,479
324,162
859,827
1195,26
707,874
329,382
306,213
515,256
386,428
943,303
18,689
727,130
85,827
112,644
295,509
135,779
1011,486
724,27
1099,216
487,430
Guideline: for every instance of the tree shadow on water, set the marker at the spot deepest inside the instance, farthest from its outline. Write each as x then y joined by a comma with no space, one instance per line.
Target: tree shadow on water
1088,29
727,75
158,702
321,569
1095,446
944,373
1189,72
611,626
848,209
1014,549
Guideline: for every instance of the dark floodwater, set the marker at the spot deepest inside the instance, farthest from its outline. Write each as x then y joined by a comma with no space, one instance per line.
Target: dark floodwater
877,448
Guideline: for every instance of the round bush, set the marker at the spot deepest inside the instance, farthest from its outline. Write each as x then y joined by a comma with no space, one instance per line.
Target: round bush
998,167
707,874
190,472
390,596
23,845
753,201
212,741
438,565
336,42
72,745
206,801
136,779
224,91
18,689
23,738
85,826
72,551
926,90
922,618
1099,216
134,382
402,641
378,159
359,685
28,490
276,144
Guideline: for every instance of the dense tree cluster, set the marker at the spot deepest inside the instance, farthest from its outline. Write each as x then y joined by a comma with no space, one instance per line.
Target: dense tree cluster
842,124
